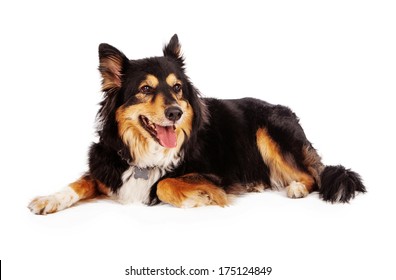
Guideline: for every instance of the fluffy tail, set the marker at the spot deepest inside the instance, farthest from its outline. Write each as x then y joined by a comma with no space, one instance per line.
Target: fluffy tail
339,184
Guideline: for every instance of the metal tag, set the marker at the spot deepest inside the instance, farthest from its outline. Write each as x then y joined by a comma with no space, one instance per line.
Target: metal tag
141,173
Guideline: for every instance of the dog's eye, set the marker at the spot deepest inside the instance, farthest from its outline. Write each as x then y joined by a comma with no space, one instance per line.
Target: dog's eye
146,89
177,88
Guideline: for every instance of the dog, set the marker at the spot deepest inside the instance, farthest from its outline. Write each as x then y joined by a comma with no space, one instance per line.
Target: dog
160,141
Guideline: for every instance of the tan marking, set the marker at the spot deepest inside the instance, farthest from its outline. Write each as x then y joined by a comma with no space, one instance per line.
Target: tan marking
191,190
110,68
103,189
171,80
131,131
85,187
150,80
188,115
282,172
143,97
157,109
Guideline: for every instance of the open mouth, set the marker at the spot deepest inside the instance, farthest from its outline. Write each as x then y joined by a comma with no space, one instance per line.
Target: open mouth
164,135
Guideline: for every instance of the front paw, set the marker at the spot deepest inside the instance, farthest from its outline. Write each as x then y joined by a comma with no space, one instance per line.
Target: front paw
201,197
43,205
185,195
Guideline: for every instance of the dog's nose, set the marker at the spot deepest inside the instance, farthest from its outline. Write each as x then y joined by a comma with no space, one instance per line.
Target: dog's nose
173,113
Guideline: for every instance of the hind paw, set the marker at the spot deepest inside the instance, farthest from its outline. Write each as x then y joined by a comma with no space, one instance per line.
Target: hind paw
296,190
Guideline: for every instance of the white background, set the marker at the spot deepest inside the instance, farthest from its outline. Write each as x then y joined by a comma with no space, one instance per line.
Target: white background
332,62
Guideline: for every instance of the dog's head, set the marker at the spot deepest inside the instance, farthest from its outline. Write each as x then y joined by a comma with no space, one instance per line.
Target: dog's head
150,103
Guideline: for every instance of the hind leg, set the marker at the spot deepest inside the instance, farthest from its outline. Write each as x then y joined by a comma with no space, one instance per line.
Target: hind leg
84,188
283,170
191,190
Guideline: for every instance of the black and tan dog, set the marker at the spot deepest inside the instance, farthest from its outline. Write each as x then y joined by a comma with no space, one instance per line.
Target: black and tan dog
159,141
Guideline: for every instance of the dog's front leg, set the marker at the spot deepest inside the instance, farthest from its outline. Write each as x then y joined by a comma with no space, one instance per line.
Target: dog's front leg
84,188
191,190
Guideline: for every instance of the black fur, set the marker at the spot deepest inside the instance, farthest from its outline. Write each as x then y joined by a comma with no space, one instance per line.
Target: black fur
340,184
106,165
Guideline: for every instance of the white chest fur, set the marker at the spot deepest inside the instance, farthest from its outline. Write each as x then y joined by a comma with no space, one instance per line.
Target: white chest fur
135,187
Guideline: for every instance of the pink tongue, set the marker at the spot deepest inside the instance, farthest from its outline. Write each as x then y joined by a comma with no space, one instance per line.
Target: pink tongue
166,136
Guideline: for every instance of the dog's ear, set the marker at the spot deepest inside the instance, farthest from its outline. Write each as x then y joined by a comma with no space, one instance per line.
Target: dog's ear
112,64
173,50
